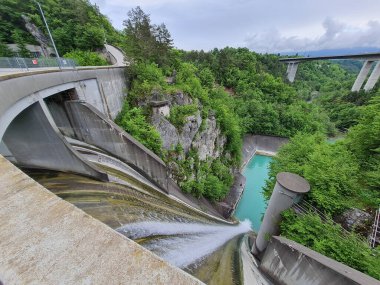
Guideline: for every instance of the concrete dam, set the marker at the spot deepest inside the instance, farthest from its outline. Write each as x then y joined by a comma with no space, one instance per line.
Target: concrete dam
105,189
58,127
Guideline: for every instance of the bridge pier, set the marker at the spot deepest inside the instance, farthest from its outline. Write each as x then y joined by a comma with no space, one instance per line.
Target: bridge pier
291,71
362,76
373,78
34,141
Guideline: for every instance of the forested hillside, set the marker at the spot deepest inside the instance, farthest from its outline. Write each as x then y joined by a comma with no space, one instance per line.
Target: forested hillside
247,93
218,96
75,24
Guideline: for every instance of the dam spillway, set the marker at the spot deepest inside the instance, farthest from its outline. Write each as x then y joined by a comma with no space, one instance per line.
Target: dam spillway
184,237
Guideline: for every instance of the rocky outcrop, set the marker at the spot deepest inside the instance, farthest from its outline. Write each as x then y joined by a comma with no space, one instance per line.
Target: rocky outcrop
189,130
355,220
37,34
181,99
210,141
169,134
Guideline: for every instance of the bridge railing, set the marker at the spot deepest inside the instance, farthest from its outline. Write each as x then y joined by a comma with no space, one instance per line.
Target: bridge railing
30,63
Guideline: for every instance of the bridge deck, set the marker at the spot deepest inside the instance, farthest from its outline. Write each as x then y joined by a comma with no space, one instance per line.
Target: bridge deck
365,56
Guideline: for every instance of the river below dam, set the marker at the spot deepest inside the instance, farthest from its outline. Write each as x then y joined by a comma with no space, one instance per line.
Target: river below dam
252,204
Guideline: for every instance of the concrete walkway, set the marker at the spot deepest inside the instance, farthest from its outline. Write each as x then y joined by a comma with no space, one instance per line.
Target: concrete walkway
45,240
117,54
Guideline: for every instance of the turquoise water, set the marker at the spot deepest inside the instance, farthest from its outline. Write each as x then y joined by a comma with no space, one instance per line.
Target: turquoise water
252,204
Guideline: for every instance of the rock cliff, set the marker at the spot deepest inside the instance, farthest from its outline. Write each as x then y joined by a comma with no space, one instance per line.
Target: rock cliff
208,141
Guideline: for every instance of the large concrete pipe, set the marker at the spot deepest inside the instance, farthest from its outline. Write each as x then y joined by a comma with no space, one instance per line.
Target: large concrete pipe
288,190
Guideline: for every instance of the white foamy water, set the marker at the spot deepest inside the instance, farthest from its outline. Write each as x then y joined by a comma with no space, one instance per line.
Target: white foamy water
185,243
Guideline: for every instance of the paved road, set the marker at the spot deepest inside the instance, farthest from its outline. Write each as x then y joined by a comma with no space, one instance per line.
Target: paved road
117,54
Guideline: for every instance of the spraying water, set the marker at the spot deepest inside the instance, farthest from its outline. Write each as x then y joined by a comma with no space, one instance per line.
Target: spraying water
183,244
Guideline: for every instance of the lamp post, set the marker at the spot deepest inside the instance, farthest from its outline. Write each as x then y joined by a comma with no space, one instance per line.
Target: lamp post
51,37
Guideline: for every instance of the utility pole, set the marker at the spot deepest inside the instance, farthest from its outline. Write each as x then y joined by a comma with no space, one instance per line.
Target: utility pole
51,37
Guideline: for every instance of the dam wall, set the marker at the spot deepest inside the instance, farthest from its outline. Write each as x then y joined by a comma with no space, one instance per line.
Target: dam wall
34,141
102,87
290,263
46,240
92,127
267,145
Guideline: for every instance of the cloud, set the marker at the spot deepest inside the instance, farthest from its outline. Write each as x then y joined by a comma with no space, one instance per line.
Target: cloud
296,24
336,35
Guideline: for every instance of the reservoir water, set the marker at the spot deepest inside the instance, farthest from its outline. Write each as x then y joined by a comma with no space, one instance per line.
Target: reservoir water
252,204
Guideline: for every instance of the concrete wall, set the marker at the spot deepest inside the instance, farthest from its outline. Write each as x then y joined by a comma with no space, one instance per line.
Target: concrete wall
261,143
289,263
94,128
103,87
46,240
34,141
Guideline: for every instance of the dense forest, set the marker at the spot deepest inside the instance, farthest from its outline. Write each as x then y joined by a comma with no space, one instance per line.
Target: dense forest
77,26
247,93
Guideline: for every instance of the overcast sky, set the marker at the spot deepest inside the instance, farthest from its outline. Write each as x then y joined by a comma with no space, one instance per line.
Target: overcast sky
261,25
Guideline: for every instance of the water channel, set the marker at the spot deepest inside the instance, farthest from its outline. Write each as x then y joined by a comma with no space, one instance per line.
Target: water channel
252,204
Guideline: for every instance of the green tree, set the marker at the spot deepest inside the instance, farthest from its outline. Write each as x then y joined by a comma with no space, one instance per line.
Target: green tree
328,239
86,58
145,41
133,121
5,51
21,45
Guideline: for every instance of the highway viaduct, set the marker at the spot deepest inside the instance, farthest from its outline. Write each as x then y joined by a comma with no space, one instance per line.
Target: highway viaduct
369,59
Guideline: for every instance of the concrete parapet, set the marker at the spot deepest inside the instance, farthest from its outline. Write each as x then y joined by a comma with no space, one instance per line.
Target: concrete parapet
289,263
261,144
46,240
34,141
94,128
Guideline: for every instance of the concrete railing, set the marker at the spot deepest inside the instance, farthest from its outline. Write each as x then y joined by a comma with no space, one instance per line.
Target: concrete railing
33,63
290,263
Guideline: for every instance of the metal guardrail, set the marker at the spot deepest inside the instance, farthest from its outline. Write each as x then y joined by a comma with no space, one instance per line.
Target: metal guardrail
30,63
375,234
304,207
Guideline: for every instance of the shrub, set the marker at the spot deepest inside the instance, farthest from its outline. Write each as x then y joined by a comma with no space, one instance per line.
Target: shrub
328,239
86,58
133,121
178,114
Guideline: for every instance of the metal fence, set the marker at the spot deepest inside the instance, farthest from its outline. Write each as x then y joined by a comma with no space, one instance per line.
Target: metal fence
304,207
41,62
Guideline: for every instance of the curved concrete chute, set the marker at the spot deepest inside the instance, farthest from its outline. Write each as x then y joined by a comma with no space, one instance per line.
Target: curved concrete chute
92,127
101,87
23,103
34,141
